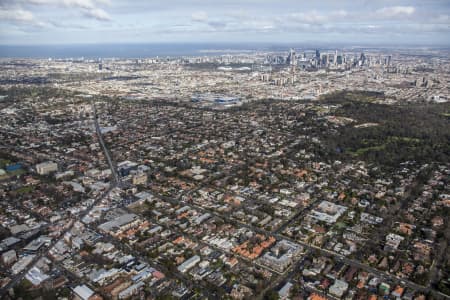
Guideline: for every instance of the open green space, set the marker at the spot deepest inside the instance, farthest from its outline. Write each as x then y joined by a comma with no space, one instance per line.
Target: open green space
411,132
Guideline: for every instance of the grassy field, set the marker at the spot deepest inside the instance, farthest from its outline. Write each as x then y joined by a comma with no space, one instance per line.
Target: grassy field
25,190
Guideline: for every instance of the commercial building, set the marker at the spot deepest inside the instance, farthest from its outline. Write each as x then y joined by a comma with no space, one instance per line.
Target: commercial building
338,288
284,292
46,168
22,264
83,292
9,257
139,178
36,276
281,255
121,223
328,212
8,242
131,290
191,262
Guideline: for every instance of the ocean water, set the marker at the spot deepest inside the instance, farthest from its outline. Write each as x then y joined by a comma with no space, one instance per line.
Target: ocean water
94,51
129,50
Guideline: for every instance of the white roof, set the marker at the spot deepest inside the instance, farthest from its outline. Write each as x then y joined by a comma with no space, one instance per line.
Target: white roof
284,291
83,292
35,276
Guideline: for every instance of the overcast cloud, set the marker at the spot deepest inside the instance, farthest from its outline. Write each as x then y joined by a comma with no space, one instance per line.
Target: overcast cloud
400,22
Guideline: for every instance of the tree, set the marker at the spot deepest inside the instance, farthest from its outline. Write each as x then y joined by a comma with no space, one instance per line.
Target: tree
271,295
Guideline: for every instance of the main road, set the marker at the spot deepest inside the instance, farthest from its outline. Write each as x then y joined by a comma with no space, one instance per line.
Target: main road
115,181
112,166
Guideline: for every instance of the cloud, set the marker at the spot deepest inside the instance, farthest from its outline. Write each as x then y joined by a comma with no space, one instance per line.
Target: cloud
445,19
338,14
236,21
217,24
88,8
227,19
260,25
86,4
97,13
18,16
314,17
199,16
203,18
238,14
395,11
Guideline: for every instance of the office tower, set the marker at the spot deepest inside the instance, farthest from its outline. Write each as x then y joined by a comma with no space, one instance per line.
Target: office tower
291,59
362,59
324,61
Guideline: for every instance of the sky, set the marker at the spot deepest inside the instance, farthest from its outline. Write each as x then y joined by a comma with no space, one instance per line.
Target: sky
352,22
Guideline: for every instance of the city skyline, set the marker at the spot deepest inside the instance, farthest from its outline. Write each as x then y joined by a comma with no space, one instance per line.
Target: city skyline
46,22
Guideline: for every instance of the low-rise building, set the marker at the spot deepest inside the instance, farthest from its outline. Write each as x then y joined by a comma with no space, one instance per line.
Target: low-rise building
83,292
191,262
9,257
139,178
338,288
281,256
46,168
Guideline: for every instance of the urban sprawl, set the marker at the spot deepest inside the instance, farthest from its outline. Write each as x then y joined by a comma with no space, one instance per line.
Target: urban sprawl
298,174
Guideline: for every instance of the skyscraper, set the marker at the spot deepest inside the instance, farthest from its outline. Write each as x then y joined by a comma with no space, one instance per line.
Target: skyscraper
362,59
324,61
291,59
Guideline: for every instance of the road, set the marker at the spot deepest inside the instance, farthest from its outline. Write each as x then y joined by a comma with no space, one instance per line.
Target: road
324,252
112,166
17,278
278,234
120,245
116,181
385,276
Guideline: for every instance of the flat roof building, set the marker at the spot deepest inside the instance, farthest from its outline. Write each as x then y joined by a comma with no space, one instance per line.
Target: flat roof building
191,262
83,292
46,168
